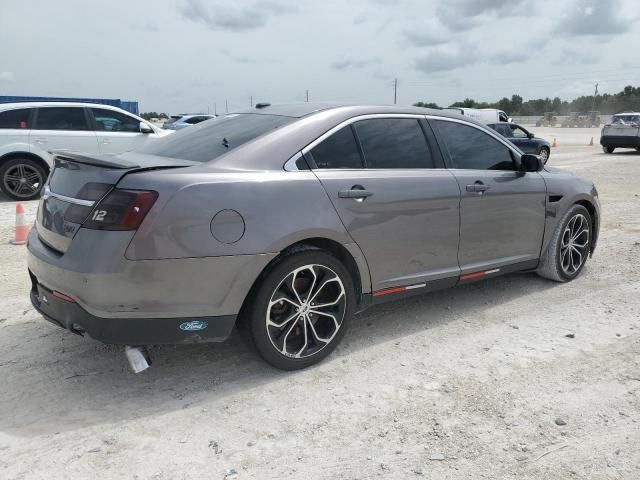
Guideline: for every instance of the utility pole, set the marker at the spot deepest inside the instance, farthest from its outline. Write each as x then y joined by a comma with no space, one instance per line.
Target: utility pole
593,107
307,92
395,91
251,101
226,106
215,109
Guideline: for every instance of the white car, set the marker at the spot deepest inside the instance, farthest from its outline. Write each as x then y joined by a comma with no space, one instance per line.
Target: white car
29,131
483,115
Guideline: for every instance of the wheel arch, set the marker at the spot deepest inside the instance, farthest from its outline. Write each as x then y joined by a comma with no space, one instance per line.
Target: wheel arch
595,220
346,254
31,156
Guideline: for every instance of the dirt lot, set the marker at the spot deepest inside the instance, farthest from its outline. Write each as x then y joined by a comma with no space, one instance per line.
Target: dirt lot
515,377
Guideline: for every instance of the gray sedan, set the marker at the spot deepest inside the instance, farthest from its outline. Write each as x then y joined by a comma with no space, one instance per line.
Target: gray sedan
289,219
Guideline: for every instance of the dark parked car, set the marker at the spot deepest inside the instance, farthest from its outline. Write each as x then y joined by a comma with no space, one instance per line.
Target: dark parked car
523,139
291,219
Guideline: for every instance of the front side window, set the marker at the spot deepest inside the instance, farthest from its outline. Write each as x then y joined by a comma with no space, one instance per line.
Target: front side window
213,139
194,120
18,118
471,148
110,121
517,132
340,150
61,118
393,143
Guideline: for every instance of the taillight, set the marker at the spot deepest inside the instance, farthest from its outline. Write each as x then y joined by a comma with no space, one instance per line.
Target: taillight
121,210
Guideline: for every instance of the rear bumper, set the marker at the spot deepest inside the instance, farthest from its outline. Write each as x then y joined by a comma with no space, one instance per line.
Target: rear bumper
139,302
620,141
128,331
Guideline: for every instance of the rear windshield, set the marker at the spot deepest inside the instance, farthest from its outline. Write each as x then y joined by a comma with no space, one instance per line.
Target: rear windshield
205,141
625,119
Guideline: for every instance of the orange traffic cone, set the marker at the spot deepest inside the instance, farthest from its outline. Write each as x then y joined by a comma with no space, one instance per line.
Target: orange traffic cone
22,228
591,142
553,145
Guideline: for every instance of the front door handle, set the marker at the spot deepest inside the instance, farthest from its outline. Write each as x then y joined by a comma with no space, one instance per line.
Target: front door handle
107,141
357,192
478,187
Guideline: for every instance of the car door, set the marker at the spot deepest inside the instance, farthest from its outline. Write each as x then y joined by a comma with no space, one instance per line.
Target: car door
116,131
520,138
63,128
502,211
394,199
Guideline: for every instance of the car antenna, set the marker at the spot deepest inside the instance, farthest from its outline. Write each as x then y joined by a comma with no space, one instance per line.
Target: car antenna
262,105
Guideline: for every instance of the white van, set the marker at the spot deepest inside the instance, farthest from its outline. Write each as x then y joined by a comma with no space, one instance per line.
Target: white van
483,115
30,130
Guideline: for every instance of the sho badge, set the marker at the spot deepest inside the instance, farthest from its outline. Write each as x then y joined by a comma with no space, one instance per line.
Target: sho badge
194,325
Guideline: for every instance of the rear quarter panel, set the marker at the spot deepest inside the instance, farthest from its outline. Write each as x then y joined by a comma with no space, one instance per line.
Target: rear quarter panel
278,209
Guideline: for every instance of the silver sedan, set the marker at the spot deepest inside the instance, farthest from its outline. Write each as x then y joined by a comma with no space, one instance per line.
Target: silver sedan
289,219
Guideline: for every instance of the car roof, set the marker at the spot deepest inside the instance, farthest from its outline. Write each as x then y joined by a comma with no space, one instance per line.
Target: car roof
627,113
13,105
299,110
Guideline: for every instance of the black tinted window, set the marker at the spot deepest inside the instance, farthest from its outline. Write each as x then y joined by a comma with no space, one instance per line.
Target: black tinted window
61,118
15,118
340,150
194,120
471,148
393,143
209,140
110,121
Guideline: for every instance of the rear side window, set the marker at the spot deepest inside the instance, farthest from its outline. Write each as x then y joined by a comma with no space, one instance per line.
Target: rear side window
471,148
393,143
340,150
110,121
18,118
61,118
212,139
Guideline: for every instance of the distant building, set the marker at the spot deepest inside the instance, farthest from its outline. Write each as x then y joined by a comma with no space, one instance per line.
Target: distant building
114,102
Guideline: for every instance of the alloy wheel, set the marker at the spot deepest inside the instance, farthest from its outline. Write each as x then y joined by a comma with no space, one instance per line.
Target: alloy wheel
22,180
574,244
544,154
306,311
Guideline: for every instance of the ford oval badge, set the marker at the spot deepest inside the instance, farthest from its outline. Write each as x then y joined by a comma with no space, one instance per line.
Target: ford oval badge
194,325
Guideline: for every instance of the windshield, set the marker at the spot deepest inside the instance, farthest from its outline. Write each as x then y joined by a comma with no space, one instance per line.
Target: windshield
625,119
208,140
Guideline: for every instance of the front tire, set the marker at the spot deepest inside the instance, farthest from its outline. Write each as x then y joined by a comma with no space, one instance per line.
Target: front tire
608,149
569,247
544,154
22,179
301,308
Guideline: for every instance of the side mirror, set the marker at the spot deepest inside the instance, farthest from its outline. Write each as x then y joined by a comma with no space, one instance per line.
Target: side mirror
530,135
531,163
144,128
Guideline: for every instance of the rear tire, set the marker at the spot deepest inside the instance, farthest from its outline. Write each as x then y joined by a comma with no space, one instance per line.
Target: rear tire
569,247
608,149
300,310
22,179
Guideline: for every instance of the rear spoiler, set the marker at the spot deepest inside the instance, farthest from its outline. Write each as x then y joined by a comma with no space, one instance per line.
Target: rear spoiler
104,161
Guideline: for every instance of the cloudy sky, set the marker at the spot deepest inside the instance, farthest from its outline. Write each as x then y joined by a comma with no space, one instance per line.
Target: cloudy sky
189,55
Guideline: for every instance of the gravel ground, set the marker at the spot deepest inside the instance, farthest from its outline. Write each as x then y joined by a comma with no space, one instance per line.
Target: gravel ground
514,377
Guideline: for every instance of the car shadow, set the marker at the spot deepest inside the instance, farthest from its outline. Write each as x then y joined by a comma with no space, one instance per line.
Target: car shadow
74,383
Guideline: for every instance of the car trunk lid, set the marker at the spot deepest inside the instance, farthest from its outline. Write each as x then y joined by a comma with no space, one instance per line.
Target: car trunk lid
77,183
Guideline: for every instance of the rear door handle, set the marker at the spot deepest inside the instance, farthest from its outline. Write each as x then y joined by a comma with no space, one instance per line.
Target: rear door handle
357,192
107,141
478,187
41,141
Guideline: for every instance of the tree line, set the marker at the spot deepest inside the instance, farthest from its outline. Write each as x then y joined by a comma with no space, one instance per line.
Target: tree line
626,100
